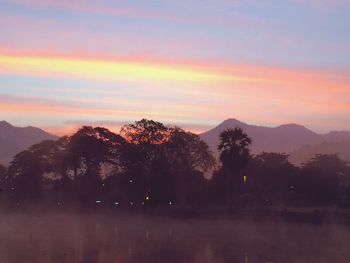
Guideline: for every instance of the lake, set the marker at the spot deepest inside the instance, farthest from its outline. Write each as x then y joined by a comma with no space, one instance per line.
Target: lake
87,238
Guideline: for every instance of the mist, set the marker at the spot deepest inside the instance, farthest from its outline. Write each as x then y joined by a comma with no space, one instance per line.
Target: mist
94,237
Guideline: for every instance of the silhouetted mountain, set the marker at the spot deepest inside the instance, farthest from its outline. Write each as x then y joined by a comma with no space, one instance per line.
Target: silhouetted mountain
286,138
16,139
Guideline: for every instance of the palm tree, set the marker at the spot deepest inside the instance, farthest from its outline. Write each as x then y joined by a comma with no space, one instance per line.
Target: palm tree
234,149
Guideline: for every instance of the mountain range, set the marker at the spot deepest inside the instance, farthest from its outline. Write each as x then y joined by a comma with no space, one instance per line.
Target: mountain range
16,139
296,140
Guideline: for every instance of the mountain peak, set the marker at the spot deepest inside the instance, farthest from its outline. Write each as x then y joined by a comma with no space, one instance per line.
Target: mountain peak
16,139
295,128
5,124
231,122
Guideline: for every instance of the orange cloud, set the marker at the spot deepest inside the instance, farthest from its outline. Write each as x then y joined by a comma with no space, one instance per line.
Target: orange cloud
136,69
182,91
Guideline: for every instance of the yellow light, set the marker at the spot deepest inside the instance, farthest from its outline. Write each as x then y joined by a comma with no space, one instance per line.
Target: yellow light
245,179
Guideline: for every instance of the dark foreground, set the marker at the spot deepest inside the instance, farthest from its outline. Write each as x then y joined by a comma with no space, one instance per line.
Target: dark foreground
91,238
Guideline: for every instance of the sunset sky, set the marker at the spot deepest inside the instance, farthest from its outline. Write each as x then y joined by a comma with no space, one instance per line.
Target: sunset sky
192,63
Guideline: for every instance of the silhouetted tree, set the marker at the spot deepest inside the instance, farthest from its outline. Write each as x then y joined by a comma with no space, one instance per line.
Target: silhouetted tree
146,138
234,149
88,150
36,171
271,175
90,147
25,179
142,157
187,159
185,150
146,132
164,159
318,182
230,180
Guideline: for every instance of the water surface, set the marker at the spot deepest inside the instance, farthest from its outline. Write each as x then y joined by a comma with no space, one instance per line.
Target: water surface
90,238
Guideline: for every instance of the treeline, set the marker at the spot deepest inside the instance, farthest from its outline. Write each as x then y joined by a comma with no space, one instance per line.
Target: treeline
151,164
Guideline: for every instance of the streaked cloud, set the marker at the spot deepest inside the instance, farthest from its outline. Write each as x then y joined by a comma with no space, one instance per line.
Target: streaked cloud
110,70
200,94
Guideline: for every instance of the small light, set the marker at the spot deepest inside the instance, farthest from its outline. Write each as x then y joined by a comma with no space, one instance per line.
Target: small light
116,203
291,187
147,197
103,185
58,203
98,201
12,188
245,179
142,203
130,181
131,203
170,203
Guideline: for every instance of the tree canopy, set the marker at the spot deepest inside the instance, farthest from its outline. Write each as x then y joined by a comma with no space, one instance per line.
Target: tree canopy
151,164
234,148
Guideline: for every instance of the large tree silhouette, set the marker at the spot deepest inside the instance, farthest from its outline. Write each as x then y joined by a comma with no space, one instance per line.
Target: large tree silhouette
188,158
319,181
164,160
146,132
271,175
26,174
234,149
187,151
230,180
90,147
88,151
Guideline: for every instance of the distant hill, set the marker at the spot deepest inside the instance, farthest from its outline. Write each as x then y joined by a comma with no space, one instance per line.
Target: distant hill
288,138
15,139
342,148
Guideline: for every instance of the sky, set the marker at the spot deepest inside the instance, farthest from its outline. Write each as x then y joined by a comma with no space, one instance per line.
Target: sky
191,63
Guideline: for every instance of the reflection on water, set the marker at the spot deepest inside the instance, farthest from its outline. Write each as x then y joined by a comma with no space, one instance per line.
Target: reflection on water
100,239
